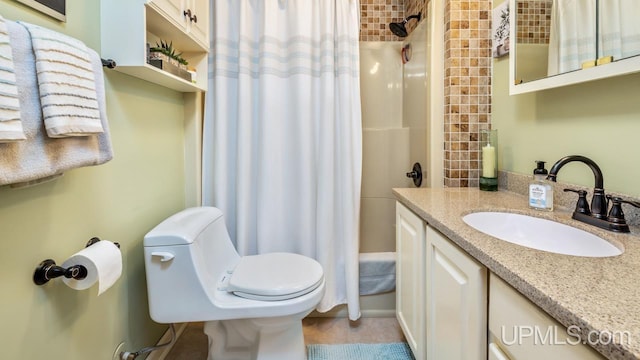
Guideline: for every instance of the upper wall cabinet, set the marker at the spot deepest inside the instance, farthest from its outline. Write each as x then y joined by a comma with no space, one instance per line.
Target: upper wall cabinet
191,16
130,27
557,43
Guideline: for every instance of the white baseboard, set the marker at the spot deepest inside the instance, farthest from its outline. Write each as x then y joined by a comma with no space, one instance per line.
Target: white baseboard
161,354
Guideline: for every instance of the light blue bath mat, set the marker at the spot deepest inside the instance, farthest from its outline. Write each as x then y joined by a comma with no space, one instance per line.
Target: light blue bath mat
392,351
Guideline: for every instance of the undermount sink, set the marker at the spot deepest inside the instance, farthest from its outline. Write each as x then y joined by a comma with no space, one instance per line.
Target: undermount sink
540,234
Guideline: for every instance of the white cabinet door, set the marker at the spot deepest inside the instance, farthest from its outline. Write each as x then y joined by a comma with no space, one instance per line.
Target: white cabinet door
410,271
198,26
526,332
190,16
495,353
456,302
172,10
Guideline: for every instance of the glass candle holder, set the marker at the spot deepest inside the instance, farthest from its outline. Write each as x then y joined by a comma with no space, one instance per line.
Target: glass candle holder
489,151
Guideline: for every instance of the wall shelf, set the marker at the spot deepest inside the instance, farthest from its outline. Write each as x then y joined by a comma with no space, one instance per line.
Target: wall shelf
148,22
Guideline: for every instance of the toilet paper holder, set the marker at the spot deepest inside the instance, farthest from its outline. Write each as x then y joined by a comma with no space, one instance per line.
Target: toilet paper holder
48,269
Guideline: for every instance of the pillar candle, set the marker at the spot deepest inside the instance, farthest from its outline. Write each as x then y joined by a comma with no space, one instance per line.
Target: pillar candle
488,161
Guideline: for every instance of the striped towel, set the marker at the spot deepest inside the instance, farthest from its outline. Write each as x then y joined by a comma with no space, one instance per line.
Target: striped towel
66,82
10,123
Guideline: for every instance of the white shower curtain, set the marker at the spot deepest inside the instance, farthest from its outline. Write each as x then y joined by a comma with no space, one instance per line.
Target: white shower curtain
283,133
619,28
572,37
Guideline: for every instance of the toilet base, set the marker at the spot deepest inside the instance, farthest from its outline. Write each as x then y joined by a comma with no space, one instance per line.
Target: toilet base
277,338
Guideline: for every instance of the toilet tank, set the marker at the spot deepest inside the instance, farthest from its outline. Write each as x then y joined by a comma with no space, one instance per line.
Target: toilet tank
185,257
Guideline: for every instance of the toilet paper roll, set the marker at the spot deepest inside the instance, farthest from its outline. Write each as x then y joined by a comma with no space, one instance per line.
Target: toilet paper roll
103,261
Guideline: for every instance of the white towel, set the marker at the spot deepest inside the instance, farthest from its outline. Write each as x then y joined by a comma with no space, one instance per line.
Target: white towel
66,82
39,157
10,123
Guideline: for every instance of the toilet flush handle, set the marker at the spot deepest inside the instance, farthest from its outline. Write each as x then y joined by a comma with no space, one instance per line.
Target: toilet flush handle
163,255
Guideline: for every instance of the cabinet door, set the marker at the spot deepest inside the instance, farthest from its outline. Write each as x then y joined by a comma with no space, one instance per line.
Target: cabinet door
456,302
198,27
495,353
410,278
172,10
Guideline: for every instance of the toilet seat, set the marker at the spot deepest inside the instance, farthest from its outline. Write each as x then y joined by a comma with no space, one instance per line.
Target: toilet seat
274,276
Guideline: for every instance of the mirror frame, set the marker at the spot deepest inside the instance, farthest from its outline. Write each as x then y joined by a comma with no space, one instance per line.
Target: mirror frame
616,68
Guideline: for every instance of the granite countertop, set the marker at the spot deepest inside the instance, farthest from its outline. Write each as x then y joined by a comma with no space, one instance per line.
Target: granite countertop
595,294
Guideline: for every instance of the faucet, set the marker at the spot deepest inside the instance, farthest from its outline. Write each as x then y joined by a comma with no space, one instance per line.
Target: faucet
598,215
598,202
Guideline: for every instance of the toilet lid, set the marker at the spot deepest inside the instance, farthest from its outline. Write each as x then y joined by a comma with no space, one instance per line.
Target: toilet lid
275,276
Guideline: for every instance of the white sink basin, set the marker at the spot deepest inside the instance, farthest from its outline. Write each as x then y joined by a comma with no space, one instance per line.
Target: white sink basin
540,234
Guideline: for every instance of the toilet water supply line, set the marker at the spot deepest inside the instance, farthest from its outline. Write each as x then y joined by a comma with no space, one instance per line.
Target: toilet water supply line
125,355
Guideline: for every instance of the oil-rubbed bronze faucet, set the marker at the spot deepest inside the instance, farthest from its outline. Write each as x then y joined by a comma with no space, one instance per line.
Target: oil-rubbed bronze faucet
598,215
598,201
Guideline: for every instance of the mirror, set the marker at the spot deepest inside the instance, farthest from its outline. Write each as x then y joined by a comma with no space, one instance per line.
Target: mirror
556,44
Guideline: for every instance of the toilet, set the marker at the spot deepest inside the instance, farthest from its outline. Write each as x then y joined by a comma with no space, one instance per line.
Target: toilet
252,306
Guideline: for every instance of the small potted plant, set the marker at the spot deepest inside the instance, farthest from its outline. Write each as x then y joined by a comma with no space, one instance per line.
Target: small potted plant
165,51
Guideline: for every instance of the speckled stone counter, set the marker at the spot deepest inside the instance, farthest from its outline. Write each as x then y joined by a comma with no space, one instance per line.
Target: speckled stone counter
595,294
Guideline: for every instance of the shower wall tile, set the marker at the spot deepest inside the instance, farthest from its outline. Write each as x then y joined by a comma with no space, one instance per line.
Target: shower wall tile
377,225
415,97
467,88
534,21
467,83
375,16
385,161
413,7
381,84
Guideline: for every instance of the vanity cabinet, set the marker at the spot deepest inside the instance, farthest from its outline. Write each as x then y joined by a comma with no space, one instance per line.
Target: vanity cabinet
410,281
519,330
149,22
456,301
441,293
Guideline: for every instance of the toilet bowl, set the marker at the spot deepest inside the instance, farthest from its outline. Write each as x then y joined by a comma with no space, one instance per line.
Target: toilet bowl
252,306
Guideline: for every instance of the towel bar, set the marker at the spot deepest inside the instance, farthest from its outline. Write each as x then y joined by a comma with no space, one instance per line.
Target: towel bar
109,63
48,269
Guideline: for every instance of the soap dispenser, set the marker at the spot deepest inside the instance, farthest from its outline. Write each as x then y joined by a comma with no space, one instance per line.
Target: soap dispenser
540,190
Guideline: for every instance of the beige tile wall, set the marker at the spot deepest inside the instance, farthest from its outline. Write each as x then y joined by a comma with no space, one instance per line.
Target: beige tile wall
467,83
377,14
413,7
534,21
375,17
467,88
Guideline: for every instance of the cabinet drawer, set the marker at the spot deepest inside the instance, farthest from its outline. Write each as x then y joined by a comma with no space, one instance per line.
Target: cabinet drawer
526,332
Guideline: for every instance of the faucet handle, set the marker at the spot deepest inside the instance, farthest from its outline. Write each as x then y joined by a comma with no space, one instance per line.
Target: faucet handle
616,215
582,206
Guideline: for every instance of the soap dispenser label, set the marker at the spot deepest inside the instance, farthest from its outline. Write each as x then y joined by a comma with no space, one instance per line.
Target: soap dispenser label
537,196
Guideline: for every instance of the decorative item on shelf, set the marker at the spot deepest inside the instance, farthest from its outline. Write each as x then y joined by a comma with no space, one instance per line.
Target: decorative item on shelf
489,147
193,73
165,57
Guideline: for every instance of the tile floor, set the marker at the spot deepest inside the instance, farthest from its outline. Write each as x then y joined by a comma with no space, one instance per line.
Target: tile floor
192,345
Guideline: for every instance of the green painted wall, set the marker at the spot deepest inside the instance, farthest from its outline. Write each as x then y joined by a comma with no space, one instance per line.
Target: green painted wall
119,201
599,119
